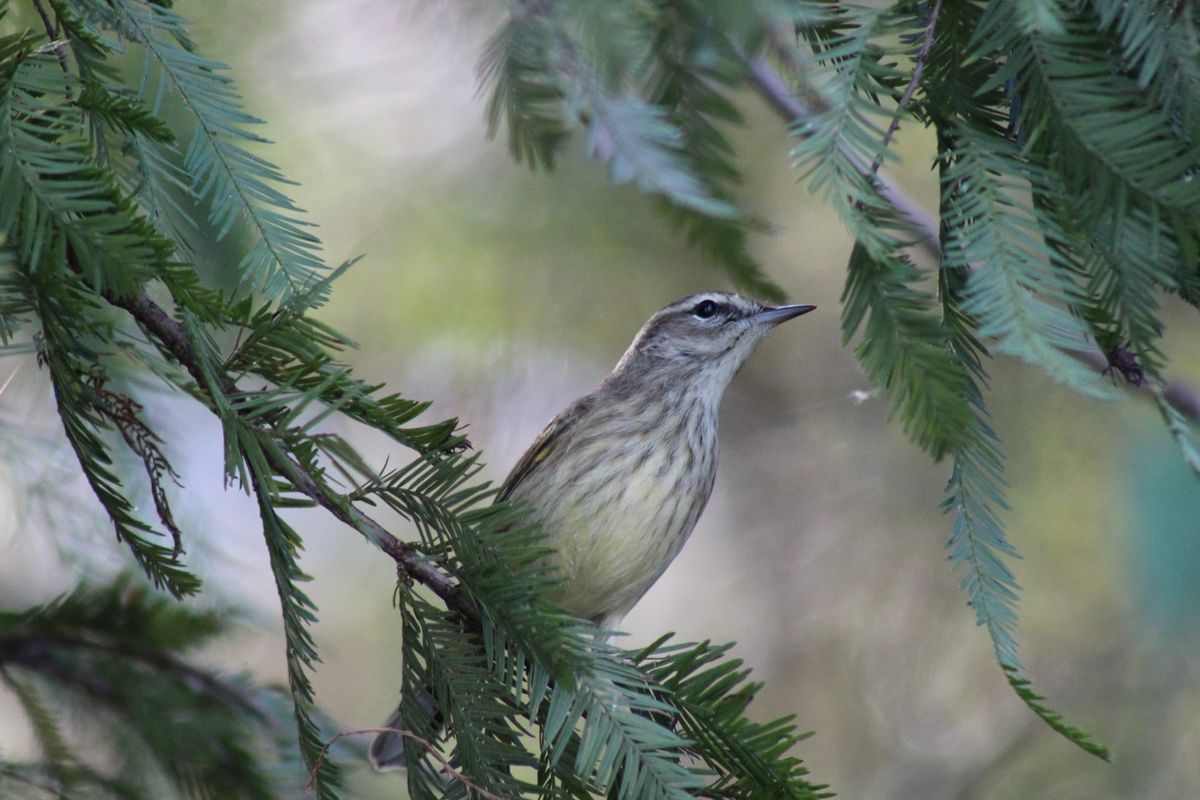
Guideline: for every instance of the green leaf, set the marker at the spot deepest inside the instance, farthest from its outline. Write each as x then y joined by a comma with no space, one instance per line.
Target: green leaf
239,187
454,668
1015,291
522,94
83,419
122,112
1179,429
710,694
52,196
838,141
546,81
283,545
975,496
1052,718
905,350
107,664
639,144
690,74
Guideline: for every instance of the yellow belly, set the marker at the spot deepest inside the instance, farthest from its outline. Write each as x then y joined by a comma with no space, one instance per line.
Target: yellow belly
616,530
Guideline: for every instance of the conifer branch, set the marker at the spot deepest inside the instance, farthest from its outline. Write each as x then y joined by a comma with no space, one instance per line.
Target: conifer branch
773,89
619,735
650,86
52,33
37,651
1182,396
172,335
913,83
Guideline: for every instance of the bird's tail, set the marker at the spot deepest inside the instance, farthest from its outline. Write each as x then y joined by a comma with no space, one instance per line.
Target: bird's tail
388,749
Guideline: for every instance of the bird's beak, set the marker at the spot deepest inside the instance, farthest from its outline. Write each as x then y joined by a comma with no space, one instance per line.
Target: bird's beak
774,316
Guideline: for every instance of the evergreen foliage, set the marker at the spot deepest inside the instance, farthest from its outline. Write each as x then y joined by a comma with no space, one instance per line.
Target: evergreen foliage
100,203
107,667
1067,157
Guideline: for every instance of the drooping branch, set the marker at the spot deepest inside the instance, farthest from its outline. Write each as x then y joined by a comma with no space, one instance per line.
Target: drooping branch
1184,397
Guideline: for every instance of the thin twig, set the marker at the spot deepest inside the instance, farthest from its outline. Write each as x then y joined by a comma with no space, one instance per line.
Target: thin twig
57,46
407,734
1184,398
47,23
8,381
911,89
46,785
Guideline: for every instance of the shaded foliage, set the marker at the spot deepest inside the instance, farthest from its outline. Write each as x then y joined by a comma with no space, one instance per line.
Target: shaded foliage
109,668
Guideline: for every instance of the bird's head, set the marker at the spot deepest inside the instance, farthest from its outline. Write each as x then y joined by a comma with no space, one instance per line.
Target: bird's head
702,338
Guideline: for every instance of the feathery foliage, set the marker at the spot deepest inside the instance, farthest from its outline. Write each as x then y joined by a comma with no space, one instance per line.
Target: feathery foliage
1067,157
601,717
711,694
111,661
644,85
238,187
116,184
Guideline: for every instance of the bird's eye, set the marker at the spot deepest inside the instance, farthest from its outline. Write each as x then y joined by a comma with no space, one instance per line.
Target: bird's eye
705,309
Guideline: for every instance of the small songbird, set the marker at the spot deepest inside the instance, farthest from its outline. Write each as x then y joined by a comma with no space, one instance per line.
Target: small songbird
619,478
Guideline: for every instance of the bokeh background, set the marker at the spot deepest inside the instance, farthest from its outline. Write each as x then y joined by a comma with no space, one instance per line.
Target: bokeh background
501,294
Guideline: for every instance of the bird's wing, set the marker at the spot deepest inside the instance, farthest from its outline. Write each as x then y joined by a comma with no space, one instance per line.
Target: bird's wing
541,448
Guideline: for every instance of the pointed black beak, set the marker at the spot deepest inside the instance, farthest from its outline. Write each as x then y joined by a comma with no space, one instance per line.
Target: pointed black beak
774,316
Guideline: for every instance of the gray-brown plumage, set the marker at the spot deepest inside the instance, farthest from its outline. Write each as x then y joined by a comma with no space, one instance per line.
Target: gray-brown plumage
618,480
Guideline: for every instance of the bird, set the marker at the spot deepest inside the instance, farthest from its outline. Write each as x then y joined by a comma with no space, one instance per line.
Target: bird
618,479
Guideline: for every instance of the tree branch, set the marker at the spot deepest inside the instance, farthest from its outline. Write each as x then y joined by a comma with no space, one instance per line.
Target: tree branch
36,652
911,89
796,114
1182,396
54,43
171,334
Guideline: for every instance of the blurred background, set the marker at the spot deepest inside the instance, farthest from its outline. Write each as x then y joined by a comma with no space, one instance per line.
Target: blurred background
501,295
